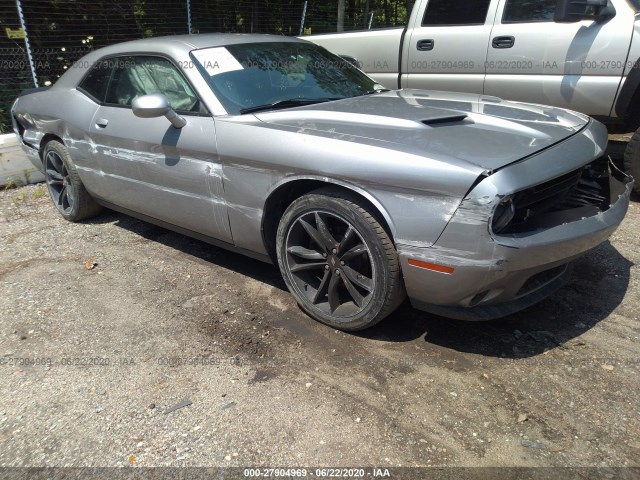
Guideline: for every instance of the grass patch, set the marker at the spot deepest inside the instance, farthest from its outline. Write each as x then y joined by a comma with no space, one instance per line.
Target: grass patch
16,200
19,199
11,184
39,192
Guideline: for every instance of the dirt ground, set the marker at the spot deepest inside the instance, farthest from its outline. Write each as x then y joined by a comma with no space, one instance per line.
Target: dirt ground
109,323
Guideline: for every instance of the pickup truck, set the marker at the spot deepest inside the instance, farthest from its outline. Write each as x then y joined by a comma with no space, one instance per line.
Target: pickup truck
582,55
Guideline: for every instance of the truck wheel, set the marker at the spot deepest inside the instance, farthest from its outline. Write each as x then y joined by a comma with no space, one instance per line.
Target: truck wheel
338,261
632,159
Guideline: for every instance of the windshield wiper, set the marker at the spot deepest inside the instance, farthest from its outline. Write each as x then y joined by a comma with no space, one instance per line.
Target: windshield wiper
288,103
379,90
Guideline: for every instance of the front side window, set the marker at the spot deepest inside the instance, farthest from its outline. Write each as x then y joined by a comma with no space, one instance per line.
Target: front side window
523,11
455,12
137,76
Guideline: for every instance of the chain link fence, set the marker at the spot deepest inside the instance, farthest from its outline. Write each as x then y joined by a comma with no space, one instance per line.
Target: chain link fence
59,32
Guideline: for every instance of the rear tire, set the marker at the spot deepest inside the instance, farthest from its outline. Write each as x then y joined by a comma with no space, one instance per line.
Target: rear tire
632,159
338,261
65,187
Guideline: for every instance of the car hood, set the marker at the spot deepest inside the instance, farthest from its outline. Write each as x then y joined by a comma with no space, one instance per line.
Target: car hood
458,128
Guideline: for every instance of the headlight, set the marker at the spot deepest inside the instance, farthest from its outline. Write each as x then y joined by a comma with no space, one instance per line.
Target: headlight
503,214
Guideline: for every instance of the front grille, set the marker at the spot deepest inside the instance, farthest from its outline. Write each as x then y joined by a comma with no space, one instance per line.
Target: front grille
547,194
577,194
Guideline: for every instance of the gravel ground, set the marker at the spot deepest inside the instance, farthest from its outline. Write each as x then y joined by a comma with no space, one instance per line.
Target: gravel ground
109,323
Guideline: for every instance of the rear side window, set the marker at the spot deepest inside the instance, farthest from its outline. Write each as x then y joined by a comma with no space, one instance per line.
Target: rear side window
455,12
523,11
96,82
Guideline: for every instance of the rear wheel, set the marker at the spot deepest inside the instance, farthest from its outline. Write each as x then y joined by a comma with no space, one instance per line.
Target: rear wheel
338,261
65,187
632,159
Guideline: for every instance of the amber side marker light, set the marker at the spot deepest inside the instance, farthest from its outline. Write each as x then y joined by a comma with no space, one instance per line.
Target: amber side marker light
431,266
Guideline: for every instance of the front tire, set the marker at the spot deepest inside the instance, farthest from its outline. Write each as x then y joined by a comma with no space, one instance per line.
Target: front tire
65,187
338,261
632,159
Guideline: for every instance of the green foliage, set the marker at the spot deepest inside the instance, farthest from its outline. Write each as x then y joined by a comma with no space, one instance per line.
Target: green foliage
358,14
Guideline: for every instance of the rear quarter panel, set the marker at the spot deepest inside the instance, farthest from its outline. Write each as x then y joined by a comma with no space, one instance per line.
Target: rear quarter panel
60,112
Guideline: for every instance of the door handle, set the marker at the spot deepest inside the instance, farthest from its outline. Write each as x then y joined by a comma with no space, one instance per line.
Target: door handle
503,42
425,45
102,122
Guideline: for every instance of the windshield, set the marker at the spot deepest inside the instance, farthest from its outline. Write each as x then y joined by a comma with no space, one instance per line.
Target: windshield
247,76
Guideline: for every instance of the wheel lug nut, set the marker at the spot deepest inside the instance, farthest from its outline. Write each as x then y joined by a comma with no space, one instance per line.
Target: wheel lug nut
326,267
341,262
337,272
334,251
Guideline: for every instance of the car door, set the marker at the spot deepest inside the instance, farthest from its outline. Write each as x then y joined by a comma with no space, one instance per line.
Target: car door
447,47
151,167
576,65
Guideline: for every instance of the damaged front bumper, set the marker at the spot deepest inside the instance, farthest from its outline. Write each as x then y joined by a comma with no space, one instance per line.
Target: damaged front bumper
491,275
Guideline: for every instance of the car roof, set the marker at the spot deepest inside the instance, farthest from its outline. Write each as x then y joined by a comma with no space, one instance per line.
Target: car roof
195,41
175,46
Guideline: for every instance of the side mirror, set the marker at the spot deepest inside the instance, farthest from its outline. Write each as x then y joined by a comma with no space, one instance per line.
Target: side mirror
576,10
156,105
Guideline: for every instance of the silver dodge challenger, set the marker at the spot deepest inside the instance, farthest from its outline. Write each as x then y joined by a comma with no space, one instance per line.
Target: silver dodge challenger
471,206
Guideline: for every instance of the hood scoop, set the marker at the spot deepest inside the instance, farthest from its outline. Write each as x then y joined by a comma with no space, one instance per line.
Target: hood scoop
445,119
458,128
